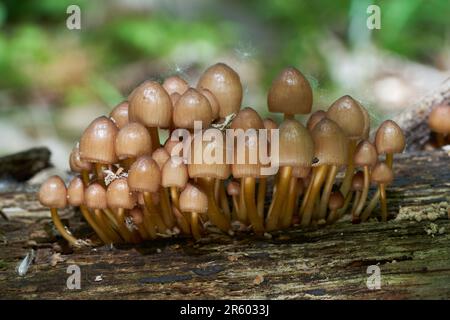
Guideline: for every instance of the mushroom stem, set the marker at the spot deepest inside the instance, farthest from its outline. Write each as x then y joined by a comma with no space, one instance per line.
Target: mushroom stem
356,201
327,191
214,214
63,231
242,210
106,226
346,183
289,117
235,204
126,163
364,194
166,209
195,227
223,199
282,187
175,196
383,202
150,227
182,222
153,214
100,174
117,224
348,199
85,177
154,136
286,218
261,196
129,236
90,220
332,217
319,174
249,196
306,196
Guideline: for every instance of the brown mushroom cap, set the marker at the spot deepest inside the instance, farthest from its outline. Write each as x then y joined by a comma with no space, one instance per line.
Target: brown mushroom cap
213,102
247,118
209,161
150,105
290,93
119,195
315,118
381,173
233,188
330,143
192,106
439,119
336,200
366,130
119,115
75,192
389,138
75,162
169,145
269,125
53,193
132,141
192,199
296,145
174,173
144,175
347,113
365,154
97,141
247,163
160,156
95,196
226,86
175,84
358,181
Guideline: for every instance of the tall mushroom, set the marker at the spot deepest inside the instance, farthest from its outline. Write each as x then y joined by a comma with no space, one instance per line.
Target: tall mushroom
194,201
439,122
132,141
382,175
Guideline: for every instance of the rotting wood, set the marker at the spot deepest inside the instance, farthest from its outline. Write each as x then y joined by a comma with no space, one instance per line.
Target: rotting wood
327,263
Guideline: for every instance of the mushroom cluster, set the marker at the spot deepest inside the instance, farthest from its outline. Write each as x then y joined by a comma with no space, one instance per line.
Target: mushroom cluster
130,188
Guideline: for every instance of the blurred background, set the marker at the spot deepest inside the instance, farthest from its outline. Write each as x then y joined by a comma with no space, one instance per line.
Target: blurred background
54,81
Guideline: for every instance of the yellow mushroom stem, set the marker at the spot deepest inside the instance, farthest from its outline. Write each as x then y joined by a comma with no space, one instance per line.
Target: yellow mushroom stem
175,196
223,200
195,226
286,216
279,197
182,222
348,199
319,175
105,225
365,192
306,196
214,214
249,196
149,225
98,230
154,137
242,213
129,235
63,231
100,174
327,192
349,172
153,214
383,202
261,197
235,200
85,177
126,163
356,200
166,208
117,224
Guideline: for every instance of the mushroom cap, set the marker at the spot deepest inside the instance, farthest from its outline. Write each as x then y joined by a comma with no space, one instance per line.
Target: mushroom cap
174,173
246,160
53,193
136,215
290,93
75,192
330,143
192,199
144,175
389,138
174,97
366,130
175,84
160,156
382,174
192,106
358,181
336,200
150,105
296,144
119,115
269,125
75,162
95,196
315,118
233,188
213,102
119,195
226,86
300,171
439,119
208,158
365,154
347,113
132,141
170,144
247,118
97,141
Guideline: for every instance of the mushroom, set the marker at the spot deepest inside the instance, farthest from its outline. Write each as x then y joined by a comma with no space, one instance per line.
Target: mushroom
315,118
80,166
213,102
119,115
175,84
137,217
330,148
382,174
53,195
191,107
225,84
233,190
358,185
439,122
195,201
290,94
174,176
132,141
335,202
151,106
97,144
